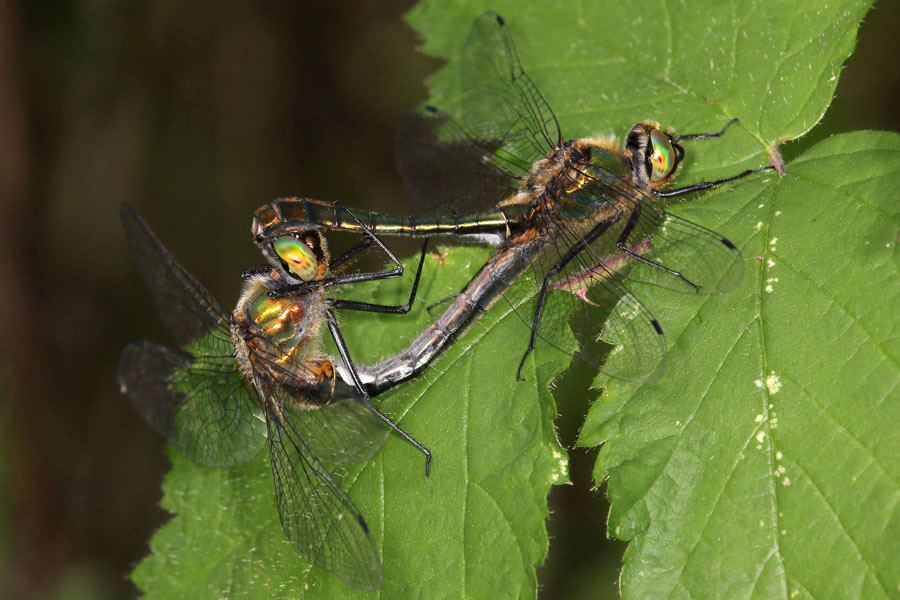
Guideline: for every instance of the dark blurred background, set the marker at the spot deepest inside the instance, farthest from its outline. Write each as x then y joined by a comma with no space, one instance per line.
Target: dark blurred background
197,113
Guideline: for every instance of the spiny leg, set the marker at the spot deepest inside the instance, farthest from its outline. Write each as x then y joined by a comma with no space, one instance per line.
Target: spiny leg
345,356
380,308
622,245
582,244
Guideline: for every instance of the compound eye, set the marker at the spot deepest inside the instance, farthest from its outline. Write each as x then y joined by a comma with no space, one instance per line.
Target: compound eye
662,156
298,257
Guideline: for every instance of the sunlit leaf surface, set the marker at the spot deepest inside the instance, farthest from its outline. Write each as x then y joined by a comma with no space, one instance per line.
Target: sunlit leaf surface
766,463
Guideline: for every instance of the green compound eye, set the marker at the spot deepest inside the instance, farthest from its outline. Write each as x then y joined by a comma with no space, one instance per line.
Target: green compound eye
662,156
298,257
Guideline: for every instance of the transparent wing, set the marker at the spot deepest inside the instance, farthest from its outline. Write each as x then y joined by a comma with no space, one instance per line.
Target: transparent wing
584,268
705,261
696,260
186,308
506,127
197,398
201,404
333,420
344,431
616,333
446,170
613,330
499,101
314,419
316,513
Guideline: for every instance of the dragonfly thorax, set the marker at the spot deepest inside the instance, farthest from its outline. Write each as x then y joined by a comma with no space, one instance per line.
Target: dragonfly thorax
552,175
288,327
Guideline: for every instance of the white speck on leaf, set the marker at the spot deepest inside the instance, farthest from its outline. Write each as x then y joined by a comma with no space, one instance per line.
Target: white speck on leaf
773,383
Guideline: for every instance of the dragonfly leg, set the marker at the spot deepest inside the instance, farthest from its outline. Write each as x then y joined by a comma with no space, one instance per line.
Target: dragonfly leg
704,185
582,244
374,238
380,308
622,245
364,397
338,262
441,301
307,287
707,136
376,275
297,289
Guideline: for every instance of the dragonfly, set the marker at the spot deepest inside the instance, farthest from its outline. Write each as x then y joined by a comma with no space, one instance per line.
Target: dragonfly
259,373
577,214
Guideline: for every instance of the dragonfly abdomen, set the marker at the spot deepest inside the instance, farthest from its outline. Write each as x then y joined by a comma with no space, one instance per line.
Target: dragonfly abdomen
293,213
501,270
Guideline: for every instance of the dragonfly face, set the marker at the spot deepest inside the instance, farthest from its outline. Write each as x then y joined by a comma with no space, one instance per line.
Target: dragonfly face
299,255
259,374
652,156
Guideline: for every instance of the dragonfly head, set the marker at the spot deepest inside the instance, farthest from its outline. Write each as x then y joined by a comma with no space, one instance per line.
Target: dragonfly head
655,155
298,255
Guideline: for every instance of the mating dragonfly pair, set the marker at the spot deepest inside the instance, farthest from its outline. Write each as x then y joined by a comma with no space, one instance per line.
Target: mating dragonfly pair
576,215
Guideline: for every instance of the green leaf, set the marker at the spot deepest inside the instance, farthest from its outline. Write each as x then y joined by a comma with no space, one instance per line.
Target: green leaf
474,528
766,462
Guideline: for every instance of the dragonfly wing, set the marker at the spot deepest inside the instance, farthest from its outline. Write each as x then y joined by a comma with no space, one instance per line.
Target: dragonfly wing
343,431
448,171
186,308
202,404
696,260
316,514
333,419
608,321
499,101
708,262
197,398
614,332
506,126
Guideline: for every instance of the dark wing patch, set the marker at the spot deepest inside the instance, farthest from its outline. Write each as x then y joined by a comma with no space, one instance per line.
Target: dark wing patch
448,171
